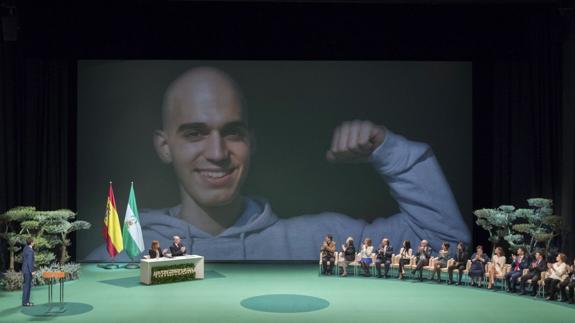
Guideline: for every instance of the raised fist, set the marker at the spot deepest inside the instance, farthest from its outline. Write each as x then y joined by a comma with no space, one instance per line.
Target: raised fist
354,141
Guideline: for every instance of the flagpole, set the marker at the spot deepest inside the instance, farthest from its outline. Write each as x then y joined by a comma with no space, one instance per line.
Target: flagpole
127,235
113,264
133,264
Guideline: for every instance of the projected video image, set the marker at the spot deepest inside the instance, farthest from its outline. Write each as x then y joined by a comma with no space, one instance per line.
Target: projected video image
260,160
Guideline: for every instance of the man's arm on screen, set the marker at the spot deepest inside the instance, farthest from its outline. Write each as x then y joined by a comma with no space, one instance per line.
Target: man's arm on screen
428,208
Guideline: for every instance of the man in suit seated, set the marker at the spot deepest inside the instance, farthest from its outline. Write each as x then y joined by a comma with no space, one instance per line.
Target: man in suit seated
327,251
384,254
568,284
177,248
422,255
520,262
460,263
535,269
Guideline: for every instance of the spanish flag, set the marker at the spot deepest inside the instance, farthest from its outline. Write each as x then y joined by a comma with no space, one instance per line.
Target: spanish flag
112,228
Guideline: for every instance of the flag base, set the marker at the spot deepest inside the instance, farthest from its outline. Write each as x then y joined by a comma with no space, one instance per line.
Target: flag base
56,310
108,266
132,266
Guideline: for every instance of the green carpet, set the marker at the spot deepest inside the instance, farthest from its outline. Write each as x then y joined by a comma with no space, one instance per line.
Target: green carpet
276,293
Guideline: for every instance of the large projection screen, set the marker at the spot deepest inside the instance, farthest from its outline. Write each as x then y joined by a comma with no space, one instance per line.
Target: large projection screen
293,108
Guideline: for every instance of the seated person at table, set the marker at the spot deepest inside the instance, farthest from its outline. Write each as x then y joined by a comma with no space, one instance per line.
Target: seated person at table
327,251
460,263
365,256
496,268
384,254
478,262
441,261
405,254
557,273
155,251
177,248
538,266
568,283
422,255
348,255
519,263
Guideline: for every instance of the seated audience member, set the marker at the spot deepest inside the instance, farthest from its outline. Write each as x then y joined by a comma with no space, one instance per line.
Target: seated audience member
155,251
460,263
422,255
519,263
558,272
365,256
496,268
348,255
568,283
538,266
177,248
384,254
405,254
477,270
441,261
327,251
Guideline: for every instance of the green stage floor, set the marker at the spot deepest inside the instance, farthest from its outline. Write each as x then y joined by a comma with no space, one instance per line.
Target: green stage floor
276,293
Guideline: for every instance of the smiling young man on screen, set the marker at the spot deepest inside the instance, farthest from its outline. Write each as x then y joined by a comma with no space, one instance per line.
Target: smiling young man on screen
206,138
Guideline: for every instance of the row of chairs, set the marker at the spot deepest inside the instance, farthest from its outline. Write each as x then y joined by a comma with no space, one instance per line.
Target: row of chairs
428,270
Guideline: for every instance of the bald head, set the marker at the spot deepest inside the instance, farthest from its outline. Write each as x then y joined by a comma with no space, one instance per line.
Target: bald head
205,88
206,138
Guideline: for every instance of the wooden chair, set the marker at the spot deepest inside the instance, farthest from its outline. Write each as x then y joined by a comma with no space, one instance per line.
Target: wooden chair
445,270
340,259
409,267
430,267
372,265
394,267
466,279
497,278
335,264
355,264
541,285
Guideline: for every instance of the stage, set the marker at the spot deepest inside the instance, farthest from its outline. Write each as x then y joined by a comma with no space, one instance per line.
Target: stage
278,293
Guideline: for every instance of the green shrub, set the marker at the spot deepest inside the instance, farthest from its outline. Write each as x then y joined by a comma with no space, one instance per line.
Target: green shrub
12,280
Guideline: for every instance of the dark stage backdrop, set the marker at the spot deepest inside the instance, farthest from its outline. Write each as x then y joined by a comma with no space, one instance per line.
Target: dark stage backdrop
523,72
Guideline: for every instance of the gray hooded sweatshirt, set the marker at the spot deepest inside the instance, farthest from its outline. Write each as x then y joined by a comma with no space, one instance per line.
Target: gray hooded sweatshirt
427,210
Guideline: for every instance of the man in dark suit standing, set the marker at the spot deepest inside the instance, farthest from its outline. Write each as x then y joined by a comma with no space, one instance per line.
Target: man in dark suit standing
28,271
535,269
177,248
384,255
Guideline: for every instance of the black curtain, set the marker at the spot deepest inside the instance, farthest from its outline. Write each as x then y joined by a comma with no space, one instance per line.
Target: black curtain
521,127
568,160
518,119
38,131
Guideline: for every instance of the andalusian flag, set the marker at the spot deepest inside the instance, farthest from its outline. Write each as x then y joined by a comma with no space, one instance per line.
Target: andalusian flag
112,229
132,231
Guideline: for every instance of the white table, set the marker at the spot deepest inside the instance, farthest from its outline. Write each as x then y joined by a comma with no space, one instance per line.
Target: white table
146,266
